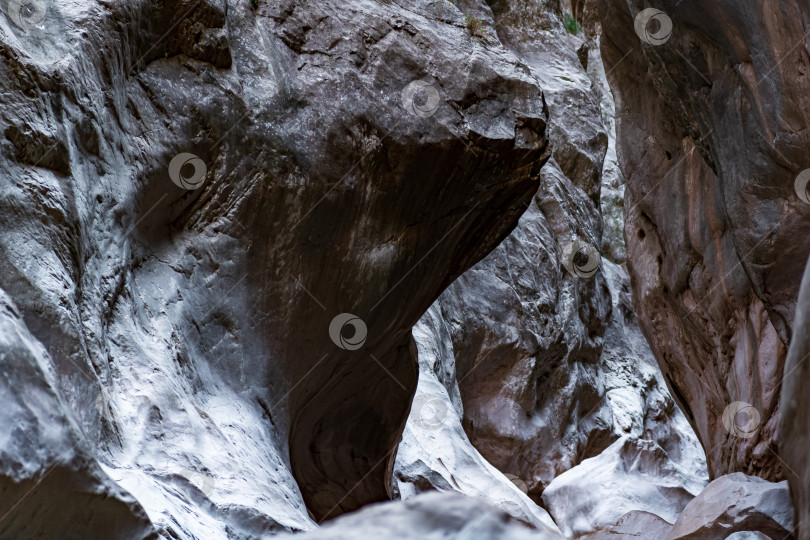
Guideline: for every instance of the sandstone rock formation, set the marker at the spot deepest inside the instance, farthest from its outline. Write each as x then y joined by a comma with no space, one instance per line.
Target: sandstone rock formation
709,114
545,367
45,458
435,453
265,263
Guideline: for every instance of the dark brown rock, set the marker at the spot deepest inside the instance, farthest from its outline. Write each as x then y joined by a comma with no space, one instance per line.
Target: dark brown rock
716,235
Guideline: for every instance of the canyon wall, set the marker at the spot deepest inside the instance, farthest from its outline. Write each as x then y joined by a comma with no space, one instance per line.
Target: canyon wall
194,194
711,109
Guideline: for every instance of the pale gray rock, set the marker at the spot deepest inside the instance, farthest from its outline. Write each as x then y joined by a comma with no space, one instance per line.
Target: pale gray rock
737,502
188,330
748,535
430,516
435,453
634,524
632,474
50,484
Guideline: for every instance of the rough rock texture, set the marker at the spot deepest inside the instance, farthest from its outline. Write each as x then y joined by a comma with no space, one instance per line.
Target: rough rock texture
531,341
710,129
430,516
795,416
435,453
630,475
545,367
736,502
44,459
188,331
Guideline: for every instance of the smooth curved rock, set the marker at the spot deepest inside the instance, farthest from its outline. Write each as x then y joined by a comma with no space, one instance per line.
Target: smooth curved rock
430,516
716,234
748,535
794,423
435,453
736,502
631,475
633,524
50,484
188,329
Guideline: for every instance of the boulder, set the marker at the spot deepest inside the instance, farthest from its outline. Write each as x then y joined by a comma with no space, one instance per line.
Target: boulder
430,516
634,524
632,475
737,502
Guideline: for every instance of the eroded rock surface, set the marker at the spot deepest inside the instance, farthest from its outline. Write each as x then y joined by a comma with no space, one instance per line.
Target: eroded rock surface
633,524
527,334
710,139
188,329
435,453
43,456
736,502
631,475
545,367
